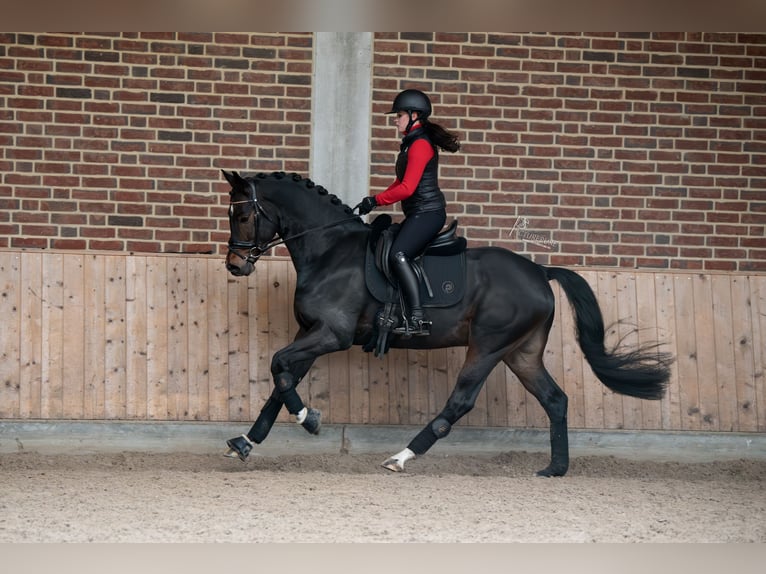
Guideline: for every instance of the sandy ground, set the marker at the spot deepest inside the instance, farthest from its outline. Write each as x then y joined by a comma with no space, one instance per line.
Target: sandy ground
134,497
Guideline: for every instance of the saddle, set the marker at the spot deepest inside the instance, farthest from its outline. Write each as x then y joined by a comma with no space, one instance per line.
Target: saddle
440,269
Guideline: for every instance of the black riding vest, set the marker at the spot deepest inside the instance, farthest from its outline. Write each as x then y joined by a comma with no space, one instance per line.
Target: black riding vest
427,195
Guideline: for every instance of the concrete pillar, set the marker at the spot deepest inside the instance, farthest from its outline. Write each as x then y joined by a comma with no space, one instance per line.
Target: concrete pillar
341,113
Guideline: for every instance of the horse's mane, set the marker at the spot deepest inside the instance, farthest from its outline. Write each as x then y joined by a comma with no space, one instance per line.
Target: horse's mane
308,185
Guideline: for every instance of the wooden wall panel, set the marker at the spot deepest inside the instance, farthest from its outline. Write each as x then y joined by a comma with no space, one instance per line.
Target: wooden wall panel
665,312
705,353
107,337
115,355
686,352
10,336
647,333
156,339
607,294
744,332
593,390
73,343
197,301
725,362
136,317
30,330
379,389
627,335
218,343
571,358
53,337
94,335
359,386
757,302
239,346
178,340
279,308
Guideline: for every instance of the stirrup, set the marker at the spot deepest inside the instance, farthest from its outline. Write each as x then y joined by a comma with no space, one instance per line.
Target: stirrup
414,327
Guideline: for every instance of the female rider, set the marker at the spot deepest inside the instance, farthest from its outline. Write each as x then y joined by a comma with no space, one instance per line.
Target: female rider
417,188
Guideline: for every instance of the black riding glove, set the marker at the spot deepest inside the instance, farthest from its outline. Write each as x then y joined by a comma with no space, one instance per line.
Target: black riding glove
367,205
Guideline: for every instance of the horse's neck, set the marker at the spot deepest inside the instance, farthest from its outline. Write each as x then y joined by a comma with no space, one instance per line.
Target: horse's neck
312,218
328,248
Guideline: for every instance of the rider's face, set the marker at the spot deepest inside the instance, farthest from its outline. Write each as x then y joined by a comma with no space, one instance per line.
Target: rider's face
402,119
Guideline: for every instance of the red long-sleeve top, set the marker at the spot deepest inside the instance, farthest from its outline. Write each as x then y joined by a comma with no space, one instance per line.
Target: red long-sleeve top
418,155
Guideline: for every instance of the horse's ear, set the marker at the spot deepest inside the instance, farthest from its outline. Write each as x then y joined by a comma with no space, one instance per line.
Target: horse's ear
231,177
235,180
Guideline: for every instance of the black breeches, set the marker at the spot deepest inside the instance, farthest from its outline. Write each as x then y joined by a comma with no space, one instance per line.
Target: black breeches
417,230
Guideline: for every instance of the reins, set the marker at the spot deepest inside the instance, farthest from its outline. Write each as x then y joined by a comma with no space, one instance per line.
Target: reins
280,241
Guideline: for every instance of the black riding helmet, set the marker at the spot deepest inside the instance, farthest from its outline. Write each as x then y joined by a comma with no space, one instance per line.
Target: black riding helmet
412,101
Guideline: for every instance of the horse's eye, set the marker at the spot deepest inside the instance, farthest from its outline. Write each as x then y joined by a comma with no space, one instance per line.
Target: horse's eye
244,219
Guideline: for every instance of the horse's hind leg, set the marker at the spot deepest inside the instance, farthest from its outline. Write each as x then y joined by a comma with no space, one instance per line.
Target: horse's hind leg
469,382
527,364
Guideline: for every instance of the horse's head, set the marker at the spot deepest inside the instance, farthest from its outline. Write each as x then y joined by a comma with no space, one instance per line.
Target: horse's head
251,228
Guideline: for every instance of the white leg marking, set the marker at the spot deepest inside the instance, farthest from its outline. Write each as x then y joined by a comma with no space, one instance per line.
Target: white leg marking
396,462
301,416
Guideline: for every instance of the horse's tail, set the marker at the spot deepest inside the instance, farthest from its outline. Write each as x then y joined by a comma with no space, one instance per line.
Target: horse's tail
641,373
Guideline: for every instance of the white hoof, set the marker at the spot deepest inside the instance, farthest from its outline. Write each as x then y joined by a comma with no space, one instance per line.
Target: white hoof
231,453
393,464
396,462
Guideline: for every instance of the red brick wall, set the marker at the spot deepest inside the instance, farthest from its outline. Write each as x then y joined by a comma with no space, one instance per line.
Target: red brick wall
115,141
618,150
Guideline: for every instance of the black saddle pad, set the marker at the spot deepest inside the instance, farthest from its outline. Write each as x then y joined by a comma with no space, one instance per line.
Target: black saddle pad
444,273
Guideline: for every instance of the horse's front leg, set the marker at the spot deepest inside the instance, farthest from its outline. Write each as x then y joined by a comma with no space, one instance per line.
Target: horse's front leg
240,447
288,367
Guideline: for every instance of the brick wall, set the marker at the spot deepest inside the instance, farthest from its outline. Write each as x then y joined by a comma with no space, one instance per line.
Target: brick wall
618,150
115,141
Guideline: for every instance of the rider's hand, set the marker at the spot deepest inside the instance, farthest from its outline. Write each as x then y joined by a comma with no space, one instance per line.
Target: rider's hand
367,205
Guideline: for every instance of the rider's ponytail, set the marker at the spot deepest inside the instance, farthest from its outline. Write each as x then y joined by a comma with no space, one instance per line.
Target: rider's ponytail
447,141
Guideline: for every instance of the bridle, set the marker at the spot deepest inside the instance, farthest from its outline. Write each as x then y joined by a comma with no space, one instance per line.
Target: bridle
254,250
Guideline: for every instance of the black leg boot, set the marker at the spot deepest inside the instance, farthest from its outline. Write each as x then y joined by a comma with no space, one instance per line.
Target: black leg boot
417,324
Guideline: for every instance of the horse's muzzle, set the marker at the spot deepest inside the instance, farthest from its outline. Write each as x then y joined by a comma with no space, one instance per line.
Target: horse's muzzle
238,265
240,270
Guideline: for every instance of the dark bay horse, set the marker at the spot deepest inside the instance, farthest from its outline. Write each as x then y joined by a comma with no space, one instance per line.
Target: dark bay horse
505,314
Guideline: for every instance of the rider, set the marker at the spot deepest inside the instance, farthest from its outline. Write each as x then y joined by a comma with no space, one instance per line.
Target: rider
417,187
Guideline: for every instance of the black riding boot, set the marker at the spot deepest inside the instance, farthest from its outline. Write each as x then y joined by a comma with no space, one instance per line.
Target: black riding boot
417,324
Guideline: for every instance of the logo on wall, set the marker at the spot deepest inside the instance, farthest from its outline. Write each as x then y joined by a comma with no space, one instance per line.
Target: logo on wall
523,233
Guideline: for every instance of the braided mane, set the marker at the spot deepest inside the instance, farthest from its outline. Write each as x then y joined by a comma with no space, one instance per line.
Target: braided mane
308,185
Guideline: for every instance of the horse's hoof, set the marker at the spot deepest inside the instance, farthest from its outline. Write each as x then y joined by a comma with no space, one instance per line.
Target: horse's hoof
393,464
239,447
313,421
396,462
551,472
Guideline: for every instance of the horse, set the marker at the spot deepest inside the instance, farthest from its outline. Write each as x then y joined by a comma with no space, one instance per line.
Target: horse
505,314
